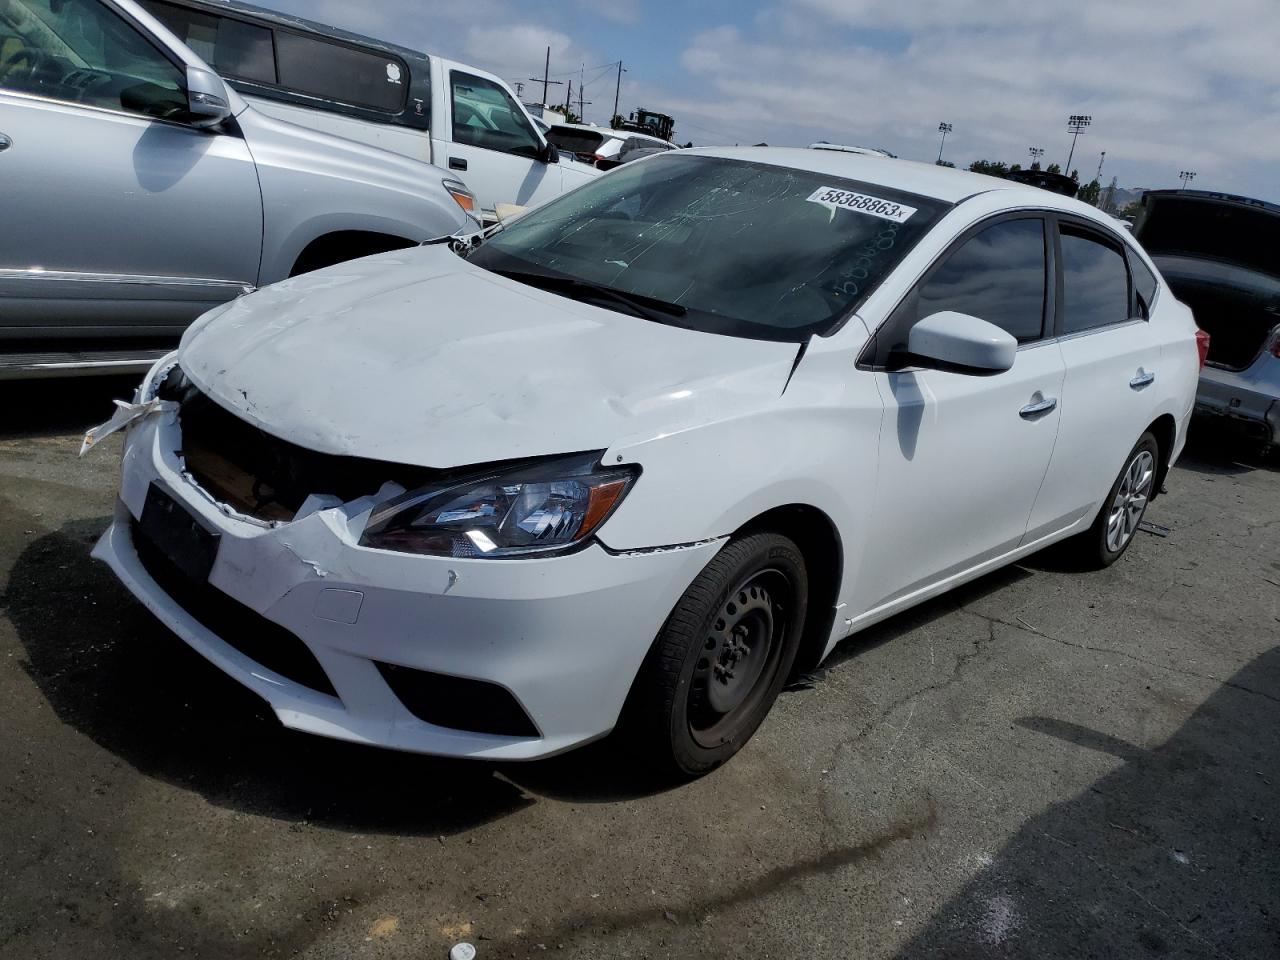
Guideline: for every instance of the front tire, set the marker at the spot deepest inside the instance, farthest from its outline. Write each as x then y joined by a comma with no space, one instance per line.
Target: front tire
1126,504
722,656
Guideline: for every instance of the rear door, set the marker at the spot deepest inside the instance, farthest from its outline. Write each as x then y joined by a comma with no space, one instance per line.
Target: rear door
493,147
1112,363
962,456
118,217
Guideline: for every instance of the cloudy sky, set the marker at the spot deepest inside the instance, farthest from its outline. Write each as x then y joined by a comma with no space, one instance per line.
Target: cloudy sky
1171,84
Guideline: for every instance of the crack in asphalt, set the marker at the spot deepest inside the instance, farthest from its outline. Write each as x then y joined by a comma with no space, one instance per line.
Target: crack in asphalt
1121,653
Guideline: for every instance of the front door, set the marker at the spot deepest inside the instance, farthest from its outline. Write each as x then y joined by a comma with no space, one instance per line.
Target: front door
962,456
494,149
118,216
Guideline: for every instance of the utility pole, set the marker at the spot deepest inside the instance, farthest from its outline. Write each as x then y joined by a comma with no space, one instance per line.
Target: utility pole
944,129
1075,126
1186,176
617,91
582,107
568,100
1036,154
546,79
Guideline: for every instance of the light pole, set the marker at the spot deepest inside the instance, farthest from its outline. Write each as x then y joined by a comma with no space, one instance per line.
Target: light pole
1075,126
1101,160
944,129
1036,154
1186,176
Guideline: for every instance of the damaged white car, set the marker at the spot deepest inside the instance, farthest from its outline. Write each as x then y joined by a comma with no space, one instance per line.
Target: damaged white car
648,451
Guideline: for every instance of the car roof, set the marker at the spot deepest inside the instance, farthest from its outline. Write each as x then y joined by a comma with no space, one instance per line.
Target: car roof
911,176
846,148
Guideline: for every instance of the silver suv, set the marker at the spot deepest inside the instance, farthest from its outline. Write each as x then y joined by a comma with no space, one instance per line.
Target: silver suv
139,190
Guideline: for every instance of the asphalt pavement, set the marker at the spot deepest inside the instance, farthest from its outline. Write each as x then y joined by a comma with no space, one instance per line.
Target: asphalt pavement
1046,763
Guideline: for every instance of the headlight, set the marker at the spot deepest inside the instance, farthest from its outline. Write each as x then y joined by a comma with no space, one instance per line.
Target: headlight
531,508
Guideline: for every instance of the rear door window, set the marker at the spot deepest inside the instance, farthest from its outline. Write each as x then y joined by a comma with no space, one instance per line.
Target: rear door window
363,78
1095,281
575,141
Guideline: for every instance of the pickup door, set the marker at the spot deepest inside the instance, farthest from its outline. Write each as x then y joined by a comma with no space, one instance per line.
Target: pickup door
492,146
118,217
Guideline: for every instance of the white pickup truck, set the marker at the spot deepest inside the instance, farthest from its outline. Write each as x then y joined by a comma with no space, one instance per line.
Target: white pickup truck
424,107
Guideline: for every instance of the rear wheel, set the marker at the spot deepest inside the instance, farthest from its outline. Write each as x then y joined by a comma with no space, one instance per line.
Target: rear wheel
1123,509
722,656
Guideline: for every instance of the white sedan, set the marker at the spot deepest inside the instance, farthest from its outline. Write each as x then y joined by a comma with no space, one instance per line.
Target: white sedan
646,452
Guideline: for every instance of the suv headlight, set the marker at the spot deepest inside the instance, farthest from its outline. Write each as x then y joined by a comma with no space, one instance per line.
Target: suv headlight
514,510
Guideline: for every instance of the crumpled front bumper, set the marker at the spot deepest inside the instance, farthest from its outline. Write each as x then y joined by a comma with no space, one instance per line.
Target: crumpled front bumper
1250,396
564,635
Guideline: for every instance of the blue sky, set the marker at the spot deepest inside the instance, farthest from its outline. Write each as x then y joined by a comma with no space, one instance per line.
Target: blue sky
1171,84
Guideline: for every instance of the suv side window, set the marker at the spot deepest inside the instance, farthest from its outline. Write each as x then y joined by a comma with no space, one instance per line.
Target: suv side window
232,47
334,71
1095,281
997,275
81,51
484,115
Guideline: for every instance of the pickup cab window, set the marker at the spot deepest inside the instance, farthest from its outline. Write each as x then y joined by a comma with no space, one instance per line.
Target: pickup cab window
484,115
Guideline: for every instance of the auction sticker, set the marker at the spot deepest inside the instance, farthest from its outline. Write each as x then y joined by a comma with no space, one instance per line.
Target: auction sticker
861,203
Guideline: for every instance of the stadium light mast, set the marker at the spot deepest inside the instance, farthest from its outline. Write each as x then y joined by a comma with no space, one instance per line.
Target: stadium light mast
1075,126
1036,154
944,129
1186,176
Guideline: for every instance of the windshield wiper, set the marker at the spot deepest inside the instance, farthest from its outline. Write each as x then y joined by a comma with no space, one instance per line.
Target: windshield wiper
650,308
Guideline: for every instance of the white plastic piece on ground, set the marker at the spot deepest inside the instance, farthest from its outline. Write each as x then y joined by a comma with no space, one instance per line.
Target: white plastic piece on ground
125,414
462,951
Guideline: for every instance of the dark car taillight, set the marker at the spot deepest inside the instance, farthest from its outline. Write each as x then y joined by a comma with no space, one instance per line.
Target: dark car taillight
1202,345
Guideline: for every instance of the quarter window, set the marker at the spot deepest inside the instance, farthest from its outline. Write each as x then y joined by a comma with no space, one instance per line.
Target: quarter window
1095,281
484,115
81,51
1144,285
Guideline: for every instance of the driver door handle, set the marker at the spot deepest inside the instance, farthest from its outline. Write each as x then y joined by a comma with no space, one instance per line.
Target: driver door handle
1033,410
5,142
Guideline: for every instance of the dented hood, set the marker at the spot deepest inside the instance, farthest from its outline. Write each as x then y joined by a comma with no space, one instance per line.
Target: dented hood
419,357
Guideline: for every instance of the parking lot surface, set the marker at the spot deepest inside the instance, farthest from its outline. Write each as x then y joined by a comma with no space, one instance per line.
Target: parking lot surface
1045,763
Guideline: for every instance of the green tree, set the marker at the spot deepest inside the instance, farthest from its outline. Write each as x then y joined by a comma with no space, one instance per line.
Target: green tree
1089,192
945,163
994,168
1054,168
615,122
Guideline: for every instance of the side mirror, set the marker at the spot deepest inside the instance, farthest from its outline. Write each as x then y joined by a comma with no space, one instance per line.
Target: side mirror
959,342
549,153
208,103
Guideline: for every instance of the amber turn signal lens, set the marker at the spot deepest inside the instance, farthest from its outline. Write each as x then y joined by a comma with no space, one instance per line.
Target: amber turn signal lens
599,502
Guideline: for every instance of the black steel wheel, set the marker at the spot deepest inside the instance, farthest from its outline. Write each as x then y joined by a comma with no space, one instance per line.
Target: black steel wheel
722,656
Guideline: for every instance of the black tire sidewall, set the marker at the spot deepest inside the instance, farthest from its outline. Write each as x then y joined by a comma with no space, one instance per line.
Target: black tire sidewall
744,558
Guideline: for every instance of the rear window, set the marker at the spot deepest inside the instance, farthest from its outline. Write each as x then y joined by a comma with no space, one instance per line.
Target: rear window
337,72
575,141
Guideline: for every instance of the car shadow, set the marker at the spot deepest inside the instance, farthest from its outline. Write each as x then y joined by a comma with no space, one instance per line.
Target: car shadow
1171,854
1214,451
42,408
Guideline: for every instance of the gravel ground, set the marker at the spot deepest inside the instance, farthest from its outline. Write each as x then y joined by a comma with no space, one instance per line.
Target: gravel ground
1046,763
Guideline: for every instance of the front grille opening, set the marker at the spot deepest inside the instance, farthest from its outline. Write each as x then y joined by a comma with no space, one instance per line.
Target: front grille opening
458,703
258,638
264,476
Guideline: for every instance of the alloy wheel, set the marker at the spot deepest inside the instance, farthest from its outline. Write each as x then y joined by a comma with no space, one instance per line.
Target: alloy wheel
1130,502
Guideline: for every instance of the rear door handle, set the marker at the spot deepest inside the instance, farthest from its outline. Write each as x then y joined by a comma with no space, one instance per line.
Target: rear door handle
1038,409
457,163
1143,379
5,142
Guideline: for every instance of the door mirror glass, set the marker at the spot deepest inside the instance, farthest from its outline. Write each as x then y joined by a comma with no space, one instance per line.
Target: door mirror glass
207,99
962,343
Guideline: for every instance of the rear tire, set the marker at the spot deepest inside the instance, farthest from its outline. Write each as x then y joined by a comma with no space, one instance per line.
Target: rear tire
721,658
1123,509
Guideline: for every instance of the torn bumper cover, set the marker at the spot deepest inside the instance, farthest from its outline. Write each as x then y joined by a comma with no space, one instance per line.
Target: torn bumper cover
498,659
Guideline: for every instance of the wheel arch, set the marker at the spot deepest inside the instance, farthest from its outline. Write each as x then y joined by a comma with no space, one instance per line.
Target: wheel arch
337,246
816,535
1165,429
